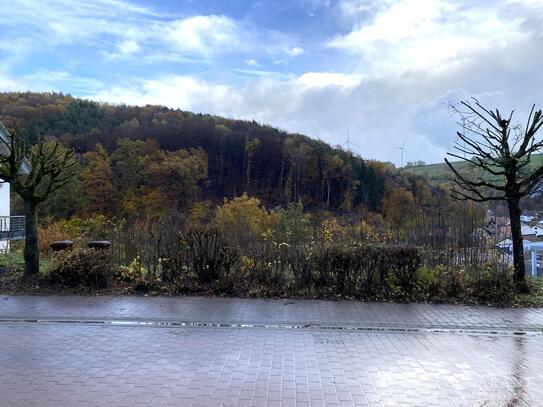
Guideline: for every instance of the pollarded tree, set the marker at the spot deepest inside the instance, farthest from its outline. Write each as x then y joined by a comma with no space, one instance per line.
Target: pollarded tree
499,164
48,167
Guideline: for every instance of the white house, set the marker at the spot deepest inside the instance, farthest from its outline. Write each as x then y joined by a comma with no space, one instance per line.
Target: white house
11,227
535,250
532,230
526,218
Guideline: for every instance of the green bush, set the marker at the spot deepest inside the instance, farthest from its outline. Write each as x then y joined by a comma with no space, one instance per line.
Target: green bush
367,271
82,267
430,282
131,272
487,284
490,284
12,261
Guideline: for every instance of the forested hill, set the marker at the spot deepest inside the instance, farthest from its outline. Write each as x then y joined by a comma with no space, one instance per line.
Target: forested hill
151,153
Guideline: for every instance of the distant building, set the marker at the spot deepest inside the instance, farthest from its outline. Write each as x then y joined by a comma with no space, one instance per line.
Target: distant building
11,227
526,218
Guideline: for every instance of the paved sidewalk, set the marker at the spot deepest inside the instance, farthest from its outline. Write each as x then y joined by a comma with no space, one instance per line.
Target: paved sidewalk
258,311
46,360
50,365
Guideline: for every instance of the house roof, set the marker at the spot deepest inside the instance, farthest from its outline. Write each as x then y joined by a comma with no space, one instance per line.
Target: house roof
4,149
504,243
528,244
533,245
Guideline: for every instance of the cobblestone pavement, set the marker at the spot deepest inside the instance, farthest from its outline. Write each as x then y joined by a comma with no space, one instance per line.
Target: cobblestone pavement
62,363
257,311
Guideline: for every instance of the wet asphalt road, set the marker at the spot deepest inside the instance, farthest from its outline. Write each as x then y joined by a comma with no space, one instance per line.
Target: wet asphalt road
189,351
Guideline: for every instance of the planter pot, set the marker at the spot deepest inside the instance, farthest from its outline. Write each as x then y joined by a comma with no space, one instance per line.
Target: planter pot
60,245
99,244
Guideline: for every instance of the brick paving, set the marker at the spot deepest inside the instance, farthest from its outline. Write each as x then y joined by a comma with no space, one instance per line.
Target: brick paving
66,364
258,311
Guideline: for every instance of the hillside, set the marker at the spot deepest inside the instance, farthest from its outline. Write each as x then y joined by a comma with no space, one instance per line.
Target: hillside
154,157
434,173
440,173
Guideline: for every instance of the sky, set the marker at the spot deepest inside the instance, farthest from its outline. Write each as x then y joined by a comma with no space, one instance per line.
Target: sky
381,73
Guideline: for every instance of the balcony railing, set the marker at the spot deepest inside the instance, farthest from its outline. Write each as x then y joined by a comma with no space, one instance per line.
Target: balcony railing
12,227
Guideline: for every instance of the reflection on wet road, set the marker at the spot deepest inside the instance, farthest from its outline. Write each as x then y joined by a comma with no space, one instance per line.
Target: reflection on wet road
191,351
66,364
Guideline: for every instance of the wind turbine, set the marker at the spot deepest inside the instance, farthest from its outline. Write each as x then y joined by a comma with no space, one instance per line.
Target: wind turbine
402,148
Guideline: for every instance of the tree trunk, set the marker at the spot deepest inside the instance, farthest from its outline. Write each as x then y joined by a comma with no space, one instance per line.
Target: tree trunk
516,237
244,163
281,192
32,249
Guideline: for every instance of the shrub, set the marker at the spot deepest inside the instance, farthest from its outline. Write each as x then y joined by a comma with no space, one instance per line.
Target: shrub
403,266
49,232
298,260
243,220
367,271
452,281
12,261
491,284
131,272
291,225
92,228
430,282
333,265
209,254
82,267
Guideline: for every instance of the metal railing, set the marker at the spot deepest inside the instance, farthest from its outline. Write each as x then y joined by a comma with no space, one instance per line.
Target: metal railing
12,227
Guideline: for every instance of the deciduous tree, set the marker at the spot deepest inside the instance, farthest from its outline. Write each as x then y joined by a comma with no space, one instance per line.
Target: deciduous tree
98,181
499,157
48,168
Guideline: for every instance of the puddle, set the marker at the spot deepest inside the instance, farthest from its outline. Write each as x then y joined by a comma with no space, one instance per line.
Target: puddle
489,331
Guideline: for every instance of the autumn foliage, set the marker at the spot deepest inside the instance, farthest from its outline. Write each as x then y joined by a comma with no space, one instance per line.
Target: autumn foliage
198,203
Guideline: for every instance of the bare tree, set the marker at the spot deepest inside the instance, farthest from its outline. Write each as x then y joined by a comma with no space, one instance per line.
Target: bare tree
47,169
498,157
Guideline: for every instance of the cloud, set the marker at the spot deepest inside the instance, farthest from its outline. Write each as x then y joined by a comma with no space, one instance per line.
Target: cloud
307,104
294,51
326,79
8,84
382,70
69,21
45,80
252,62
355,8
174,91
205,35
427,34
379,112
120,28
128,47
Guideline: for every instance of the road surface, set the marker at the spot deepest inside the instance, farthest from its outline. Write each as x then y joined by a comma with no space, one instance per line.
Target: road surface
193,351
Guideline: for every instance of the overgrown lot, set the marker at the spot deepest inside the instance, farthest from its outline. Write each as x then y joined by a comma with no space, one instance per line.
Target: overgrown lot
243,249
206,264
